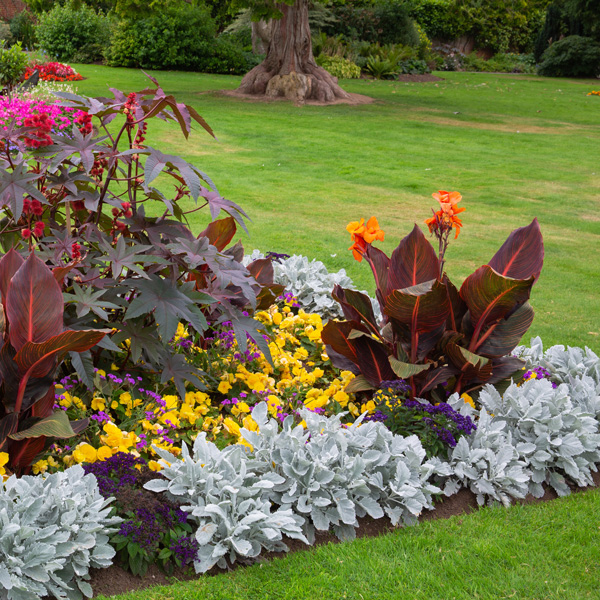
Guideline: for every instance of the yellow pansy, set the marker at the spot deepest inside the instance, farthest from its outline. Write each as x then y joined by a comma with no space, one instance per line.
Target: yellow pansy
240,407
224,387
41,466
3,460
98,403
85,453
231,426
103,453
468,399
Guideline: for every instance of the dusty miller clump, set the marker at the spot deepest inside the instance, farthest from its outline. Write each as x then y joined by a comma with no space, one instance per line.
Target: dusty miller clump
334,474
556,438
52,531
486,462
229,502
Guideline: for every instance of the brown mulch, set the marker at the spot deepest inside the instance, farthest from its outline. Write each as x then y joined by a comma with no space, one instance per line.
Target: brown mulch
115,580
354,100
425,78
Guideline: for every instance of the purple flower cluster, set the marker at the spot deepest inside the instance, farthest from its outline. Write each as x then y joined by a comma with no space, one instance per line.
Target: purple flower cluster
377,416
114,472
276,256
290,299
185,549
397,386
463,423
144,531
540,373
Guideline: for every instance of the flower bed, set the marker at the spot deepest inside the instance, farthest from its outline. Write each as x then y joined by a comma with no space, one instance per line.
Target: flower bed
53,71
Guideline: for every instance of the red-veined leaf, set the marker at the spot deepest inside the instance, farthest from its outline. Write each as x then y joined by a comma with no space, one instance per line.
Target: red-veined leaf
336,334
35,358
356,307
422,307
522,254
34,304
413,262
380,264
490,297
8,425
220,232
471,365
437,377
262,270
503,337
9,265
22,453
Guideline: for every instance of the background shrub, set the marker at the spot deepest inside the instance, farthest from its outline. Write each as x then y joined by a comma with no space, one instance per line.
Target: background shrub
22,29
438,19
13,62
65,32
386,22
179,37
339,67
573,56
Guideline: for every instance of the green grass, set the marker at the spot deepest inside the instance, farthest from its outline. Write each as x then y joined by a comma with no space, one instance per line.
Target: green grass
515,146
547,551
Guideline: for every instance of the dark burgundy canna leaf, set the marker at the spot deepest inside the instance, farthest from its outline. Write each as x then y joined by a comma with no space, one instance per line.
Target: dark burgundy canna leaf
470,365
10,263
491,297
422,307
458,308
380,263
373,360
262,270
220,232
522,254
414,261
8,425
37,359
503,337
34,304
437,377
337,335
356,307
23,453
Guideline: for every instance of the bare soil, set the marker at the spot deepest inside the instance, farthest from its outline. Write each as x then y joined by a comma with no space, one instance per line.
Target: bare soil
115,580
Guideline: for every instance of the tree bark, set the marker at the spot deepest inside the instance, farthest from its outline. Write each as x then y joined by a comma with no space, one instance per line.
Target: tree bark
289,68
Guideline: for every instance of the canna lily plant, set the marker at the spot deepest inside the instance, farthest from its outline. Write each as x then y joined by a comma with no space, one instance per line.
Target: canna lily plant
33,344
439,338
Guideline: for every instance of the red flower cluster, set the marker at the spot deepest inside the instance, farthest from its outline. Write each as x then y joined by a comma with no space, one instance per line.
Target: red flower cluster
75,251
84,120
32,207
53,71
44,124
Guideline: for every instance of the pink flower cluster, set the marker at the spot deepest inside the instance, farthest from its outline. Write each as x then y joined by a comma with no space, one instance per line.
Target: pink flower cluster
20,109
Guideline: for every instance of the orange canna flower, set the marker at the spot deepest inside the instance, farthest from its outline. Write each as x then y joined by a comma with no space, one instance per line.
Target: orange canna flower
362,235
445,218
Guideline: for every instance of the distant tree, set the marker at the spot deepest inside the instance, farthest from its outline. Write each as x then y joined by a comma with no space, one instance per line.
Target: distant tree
289,68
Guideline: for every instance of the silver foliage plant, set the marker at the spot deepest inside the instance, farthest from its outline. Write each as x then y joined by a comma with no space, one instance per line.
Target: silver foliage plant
311,283
228,501
551,433
53,529
334,473
326,475
486,462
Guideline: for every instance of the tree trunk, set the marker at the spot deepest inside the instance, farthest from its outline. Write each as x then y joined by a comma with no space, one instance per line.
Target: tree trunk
289,68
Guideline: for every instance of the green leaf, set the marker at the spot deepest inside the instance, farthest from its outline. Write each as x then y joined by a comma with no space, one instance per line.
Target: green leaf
57,425
358,384
87,299
407,370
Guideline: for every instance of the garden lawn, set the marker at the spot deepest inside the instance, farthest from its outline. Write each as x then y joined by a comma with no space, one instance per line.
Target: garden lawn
547,551
515,146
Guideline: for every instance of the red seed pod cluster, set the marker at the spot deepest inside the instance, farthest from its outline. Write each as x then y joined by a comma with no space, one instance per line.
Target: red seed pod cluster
129,107
75,251
98,168
140,137
84,120
38,229
31,206
40,137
